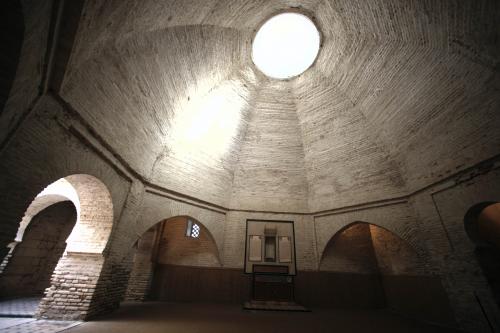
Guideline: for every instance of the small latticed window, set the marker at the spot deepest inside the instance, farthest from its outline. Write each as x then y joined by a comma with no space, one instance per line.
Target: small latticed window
192,229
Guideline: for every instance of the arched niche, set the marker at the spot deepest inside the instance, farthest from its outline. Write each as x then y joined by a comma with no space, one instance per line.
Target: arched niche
157,208
350,250
482,223
366,248
398,219
167,244
366,254
171,243
175,247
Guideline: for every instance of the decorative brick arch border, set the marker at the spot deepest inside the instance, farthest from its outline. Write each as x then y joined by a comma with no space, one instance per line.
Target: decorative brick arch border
94,211
58,191
95,215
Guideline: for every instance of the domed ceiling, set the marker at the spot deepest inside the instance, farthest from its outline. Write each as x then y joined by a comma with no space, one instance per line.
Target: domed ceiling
402,94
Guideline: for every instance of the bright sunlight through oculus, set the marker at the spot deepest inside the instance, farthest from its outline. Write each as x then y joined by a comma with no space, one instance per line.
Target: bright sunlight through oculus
286,45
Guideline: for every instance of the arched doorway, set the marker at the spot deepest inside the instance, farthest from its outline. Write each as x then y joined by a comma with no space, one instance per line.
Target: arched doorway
168,257
482,225
30,264
63,232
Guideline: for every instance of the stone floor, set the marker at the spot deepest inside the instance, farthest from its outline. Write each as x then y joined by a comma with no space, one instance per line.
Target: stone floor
31,325
10,322
154,317
19,307
16,317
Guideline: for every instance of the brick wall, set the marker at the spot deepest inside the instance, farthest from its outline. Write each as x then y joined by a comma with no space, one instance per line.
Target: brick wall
395,256
142,270
34,158
73,288
416,220
441,210
272,140
357,146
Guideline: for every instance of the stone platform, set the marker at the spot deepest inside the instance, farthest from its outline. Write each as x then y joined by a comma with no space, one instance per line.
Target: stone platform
274,306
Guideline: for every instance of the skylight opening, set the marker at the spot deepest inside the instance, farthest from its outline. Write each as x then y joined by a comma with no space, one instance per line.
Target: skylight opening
286,45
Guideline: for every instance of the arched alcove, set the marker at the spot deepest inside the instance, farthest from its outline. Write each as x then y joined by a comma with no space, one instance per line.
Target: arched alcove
482,223
168,256
175,247
362,247
383,270
157,208
350,251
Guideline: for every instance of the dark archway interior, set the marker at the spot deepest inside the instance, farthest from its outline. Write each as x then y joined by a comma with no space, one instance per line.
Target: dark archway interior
30,267
11,39
482,223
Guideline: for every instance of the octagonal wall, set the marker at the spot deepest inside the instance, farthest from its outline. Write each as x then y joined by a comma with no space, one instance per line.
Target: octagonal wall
379,90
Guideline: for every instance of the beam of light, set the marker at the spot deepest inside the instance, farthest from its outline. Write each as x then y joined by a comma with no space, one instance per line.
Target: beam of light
209,124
